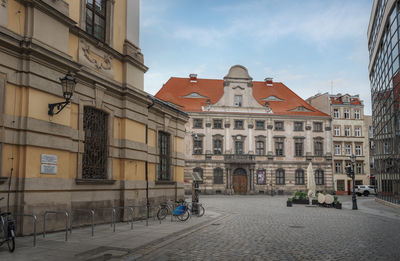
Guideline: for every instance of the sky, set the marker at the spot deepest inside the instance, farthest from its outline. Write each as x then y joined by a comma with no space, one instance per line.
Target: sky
312,46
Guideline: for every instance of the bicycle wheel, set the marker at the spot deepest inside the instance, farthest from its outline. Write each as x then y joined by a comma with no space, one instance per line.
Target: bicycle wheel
184,216
200,210
11,242
162,213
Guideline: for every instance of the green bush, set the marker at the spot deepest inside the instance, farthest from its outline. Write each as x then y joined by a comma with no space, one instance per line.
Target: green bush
300,195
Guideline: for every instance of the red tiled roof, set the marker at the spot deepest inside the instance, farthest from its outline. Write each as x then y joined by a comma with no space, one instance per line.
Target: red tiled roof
338,100
175,90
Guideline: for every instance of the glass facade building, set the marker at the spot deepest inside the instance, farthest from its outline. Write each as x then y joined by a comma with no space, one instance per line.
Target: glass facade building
383,46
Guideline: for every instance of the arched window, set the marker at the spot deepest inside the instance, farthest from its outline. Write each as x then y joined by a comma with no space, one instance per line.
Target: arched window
319,177
280,177
218,176
299,177
200,171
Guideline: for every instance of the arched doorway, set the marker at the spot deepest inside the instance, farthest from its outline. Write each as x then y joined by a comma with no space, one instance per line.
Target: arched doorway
239,182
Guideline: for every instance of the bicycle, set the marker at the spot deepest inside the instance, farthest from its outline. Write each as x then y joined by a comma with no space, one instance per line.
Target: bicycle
166,208
7,229
200,209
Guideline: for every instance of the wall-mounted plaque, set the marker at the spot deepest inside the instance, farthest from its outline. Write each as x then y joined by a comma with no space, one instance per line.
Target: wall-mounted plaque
48,159
48,169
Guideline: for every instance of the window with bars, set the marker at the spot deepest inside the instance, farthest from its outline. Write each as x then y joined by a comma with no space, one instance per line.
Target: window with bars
96,18
217,142
280,177
218,176
95,126
165,156
319,177
299,177
298,147
260,148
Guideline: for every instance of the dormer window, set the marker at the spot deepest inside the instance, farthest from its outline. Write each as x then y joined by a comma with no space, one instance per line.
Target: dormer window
237,102
346,99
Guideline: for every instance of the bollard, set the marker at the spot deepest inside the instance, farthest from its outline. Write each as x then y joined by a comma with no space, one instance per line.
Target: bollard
92,213
113,218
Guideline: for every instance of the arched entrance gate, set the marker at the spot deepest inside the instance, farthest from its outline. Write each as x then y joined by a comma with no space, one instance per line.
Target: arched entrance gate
239,181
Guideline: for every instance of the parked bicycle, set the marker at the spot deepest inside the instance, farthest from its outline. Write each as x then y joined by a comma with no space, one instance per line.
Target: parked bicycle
184,211
167,208
198,211
7,229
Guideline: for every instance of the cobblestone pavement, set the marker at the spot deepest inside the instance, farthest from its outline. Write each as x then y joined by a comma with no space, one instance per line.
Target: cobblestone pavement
263,228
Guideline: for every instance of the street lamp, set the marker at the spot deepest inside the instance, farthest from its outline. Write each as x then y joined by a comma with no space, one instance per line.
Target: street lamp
68,86
272,190
350,173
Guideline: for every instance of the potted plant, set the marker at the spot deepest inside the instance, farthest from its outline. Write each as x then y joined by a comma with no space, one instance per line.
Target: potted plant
289,202
300,197
336,203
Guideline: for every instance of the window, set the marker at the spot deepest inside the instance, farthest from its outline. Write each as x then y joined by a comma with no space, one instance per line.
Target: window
358,150
280,177
338,149
197,123
299,177
260,125
318,147
218,176
197,145
357,114
359,168
94,162
357,131
217,124
347,114
337,130
347,131
200,172
386,148
260,148
217,142
338,167
239,124
319,177
348,149
298,147
317,126
340,185
237,102
279,148
96,18
335,113
164,148
279,125
298,126
238,147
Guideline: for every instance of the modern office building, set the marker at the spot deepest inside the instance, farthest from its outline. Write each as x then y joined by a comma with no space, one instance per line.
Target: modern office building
383,46
248,136
350,136
112,144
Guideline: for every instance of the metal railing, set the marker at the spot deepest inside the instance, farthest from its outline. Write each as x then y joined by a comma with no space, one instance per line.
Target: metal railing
34,224
56,212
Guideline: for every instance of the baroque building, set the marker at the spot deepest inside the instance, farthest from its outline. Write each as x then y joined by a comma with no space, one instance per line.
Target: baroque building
383,46
350,135
248,136
113,145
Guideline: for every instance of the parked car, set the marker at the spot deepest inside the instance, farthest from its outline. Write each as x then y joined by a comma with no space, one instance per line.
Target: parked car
365,190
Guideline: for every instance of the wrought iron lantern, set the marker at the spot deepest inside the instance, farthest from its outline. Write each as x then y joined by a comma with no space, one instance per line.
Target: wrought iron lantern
68,86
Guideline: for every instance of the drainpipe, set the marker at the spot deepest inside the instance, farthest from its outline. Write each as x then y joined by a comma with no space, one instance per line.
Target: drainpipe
147,162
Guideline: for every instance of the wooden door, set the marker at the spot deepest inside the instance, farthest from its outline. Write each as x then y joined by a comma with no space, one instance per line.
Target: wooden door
240,184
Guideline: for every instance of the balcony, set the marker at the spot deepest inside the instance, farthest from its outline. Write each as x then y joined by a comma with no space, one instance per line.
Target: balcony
240,158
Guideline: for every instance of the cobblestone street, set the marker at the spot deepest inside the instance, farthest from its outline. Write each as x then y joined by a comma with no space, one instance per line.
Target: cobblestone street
263,228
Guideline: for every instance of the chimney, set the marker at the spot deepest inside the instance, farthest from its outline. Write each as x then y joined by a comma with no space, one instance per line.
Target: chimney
193,77
268,81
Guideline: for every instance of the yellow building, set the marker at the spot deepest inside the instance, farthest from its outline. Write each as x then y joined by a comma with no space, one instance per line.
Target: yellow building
103,149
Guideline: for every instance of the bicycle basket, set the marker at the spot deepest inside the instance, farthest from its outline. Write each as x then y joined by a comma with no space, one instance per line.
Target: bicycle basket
179,210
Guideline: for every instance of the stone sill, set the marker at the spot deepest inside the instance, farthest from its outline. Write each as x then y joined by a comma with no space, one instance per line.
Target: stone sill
95,181
165,182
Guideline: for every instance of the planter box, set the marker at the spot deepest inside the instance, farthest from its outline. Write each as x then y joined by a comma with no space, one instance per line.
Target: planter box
288,203
315,201
338,205
300,201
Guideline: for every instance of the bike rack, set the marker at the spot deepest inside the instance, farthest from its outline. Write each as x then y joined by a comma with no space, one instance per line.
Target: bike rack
91,216
130,214
56,212
34,225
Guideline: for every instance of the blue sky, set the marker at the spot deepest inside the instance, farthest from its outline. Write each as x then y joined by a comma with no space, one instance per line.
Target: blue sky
310,45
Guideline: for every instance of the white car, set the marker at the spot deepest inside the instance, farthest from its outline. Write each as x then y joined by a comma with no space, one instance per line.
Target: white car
365,190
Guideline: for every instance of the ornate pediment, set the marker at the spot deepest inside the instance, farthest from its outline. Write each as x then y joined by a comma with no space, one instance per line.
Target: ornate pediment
194,95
